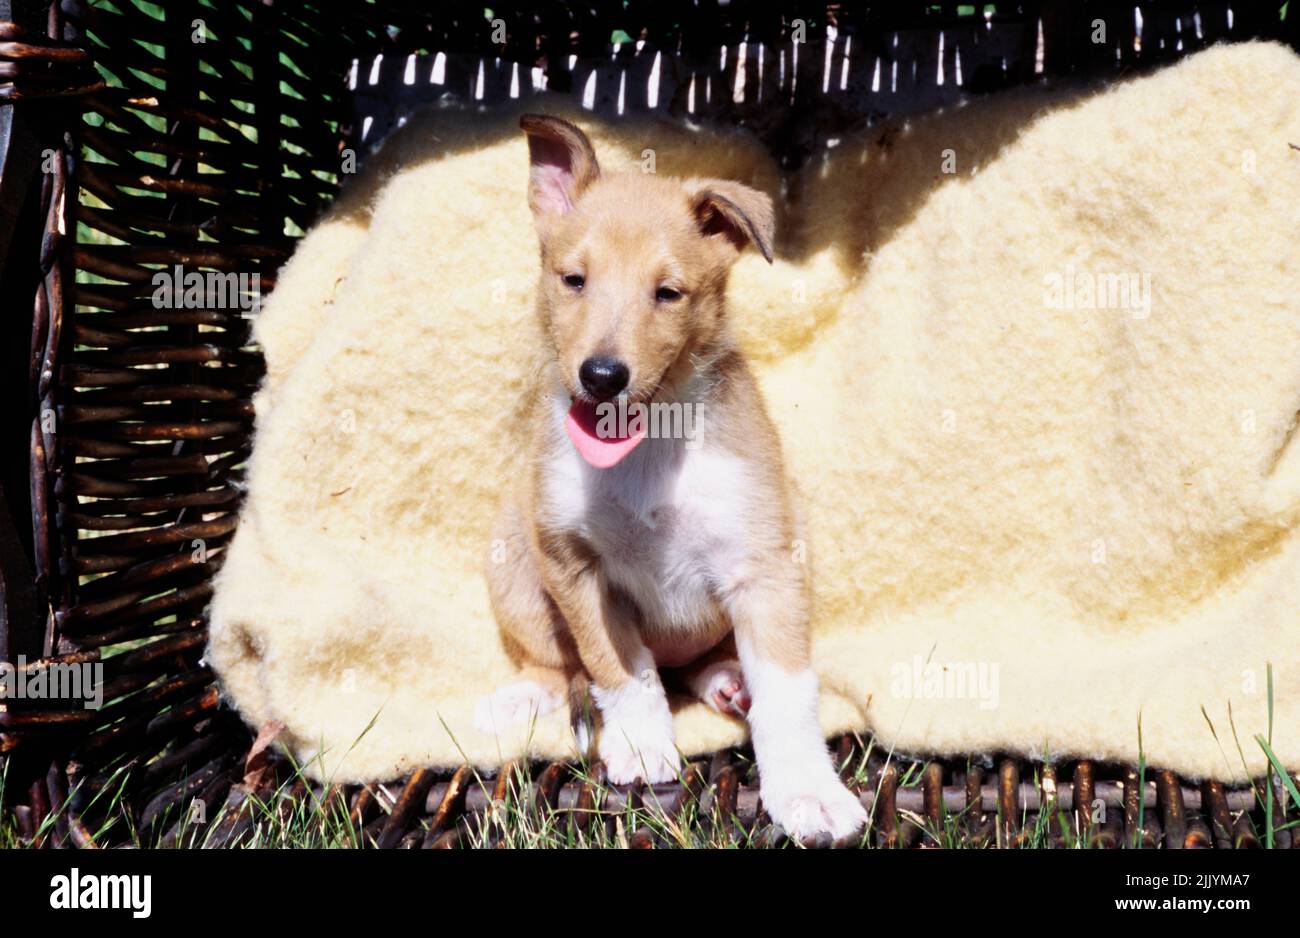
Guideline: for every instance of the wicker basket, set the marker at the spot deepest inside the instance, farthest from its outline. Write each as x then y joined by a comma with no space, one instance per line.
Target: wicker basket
138,136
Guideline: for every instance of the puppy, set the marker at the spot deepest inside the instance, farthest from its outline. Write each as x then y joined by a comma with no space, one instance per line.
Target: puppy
628,550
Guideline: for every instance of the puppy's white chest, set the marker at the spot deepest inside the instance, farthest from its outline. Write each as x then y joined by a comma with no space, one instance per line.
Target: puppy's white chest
667,522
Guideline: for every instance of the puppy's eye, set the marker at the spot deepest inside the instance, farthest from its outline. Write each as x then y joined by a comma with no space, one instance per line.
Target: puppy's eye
575,280
667,294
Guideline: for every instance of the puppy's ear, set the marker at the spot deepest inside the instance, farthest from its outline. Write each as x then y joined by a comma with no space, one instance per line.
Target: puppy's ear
734,213
562,164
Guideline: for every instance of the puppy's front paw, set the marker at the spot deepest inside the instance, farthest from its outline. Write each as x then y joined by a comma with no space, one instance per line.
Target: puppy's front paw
636,738
647,752
808,806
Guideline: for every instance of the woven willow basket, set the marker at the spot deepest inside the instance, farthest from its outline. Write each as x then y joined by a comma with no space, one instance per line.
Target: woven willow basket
138,136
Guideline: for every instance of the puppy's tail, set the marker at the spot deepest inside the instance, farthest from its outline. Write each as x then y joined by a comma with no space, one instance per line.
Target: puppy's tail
582,711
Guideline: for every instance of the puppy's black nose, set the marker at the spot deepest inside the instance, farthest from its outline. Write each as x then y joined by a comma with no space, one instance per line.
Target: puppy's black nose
603,377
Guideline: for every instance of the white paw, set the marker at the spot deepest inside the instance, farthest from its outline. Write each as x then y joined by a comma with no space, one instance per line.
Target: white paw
722,687
520,702
650,754
636,736
806,807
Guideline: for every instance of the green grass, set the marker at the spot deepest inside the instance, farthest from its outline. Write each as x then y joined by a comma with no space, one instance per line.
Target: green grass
306,821
296,814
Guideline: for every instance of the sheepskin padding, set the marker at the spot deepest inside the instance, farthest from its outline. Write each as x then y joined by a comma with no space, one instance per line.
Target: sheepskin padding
1039,517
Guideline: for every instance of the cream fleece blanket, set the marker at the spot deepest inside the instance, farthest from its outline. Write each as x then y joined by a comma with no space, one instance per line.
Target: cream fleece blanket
1036,365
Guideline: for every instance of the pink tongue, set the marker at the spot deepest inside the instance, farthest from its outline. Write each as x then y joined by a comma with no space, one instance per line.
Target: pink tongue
601,451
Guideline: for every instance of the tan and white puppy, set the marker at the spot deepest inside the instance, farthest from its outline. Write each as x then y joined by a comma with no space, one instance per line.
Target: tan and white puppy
628,550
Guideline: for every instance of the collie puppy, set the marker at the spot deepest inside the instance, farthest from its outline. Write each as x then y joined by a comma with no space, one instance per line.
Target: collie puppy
651,539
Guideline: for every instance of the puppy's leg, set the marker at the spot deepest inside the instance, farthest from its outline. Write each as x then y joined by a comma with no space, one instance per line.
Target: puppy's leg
717,679
533,631
636,738
797,781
